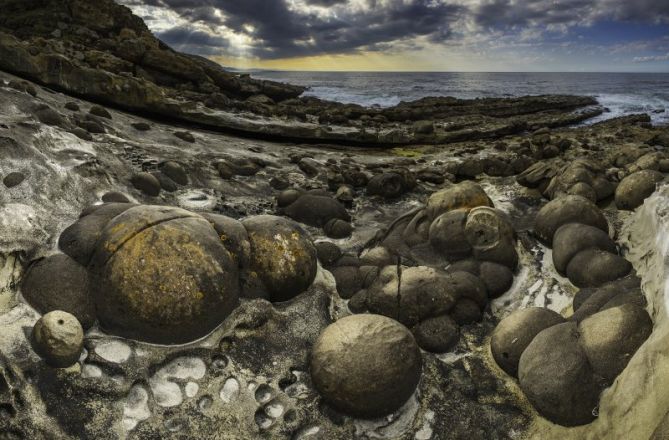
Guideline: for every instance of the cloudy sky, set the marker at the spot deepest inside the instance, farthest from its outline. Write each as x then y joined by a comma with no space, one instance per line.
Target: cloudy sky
418,35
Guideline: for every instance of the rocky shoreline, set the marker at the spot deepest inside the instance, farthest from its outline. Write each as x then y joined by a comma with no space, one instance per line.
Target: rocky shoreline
105,54
487,271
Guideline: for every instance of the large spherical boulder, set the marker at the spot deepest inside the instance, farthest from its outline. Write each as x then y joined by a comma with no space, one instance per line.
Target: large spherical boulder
59,283
366,365
635,188
463,195
491,236
555,375
447,234
515,332
573,238
283,258
316,210
567,209
58,338
594,267
611,337
162,275
424,292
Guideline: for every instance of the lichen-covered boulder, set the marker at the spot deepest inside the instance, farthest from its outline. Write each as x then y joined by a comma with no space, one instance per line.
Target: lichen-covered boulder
58,338
611,337
283,258
594,267
567,209
59,283
556,376
366,366
636,188
162,275
572,238
515,332
467,195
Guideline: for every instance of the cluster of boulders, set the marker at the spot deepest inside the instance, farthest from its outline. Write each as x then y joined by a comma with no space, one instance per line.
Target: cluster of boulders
166,275
475,245
563,364
632,177
169,177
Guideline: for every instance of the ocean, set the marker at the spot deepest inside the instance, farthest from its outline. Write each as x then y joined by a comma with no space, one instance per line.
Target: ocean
621,93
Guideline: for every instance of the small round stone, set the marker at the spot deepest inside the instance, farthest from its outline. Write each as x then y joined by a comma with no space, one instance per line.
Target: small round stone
463,195
175,172
366,366
338,229
58,338
13,179
572,238
115,197
146,183
594,267
328,252
635,188
515,332
437,335
288,197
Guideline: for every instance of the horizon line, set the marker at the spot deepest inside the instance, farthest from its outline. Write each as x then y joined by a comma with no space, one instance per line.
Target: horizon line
444,71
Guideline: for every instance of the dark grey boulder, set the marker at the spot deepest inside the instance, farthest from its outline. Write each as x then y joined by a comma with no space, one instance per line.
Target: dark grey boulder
437,335
13,179
59,283
447,235
316,210
386,185
175,172
146,183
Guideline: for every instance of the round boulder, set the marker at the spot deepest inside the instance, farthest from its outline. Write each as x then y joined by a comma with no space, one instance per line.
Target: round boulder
366,366
386,185
491,236
611,337
146,183
466,195
594,267
572,238
515,332
316,211
447,235
567,209
283,258
58,338
555,375
437,335
635,188
59,283
162,275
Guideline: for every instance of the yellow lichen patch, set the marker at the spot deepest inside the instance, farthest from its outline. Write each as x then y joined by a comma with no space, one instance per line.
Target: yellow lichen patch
407,152
159,273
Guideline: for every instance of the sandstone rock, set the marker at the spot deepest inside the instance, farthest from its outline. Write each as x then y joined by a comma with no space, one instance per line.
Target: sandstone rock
386,185
349,365
115,197
175,172
185,136
328,252
497,278
491,236
349,280
13,179
58,338
337,228
515,332
102,112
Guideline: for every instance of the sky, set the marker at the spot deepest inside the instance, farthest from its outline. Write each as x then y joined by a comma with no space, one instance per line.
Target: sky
418,35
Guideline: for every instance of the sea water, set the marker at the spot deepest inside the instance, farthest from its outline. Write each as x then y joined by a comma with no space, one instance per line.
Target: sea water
620,93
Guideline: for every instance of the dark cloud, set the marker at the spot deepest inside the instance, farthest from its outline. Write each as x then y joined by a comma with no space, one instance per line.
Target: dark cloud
280,31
